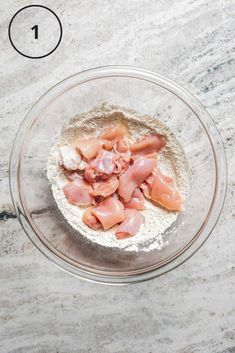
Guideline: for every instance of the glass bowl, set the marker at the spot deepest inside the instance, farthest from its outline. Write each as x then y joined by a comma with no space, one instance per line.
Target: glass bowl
147,93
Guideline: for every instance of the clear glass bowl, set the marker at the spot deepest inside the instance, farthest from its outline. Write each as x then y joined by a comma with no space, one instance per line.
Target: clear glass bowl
147,93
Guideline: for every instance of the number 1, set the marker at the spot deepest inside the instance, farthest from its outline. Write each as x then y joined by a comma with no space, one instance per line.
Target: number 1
35,28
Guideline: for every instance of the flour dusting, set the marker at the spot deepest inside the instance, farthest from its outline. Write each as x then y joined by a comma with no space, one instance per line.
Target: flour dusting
172,162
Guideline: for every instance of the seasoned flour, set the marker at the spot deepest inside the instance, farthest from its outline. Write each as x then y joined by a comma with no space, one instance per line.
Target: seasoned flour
172,162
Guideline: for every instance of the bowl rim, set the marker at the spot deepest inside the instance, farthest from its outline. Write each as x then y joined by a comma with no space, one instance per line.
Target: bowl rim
219,158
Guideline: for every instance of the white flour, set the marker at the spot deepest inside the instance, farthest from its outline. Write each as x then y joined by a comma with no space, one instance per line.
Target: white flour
172,162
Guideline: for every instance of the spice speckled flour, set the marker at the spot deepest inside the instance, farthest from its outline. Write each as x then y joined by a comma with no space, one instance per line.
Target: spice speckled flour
172,162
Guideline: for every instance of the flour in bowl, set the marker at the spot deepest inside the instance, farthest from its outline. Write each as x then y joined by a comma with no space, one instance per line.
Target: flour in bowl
172,162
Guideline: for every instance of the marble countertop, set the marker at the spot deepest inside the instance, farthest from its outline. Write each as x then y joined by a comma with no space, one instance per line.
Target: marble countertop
189,310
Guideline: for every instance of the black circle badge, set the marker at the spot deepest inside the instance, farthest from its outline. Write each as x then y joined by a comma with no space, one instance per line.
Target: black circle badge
35,31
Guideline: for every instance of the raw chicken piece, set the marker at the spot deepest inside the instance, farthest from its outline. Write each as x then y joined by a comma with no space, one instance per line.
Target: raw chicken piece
134,176
105,187
82,165
78,193
121,165
92,175
146,189
100,168
90,220
113,133
104,162
108,145
152,155
165,193
131,224
109,212
136,201
146,186
122,148
90,147
70,159
73,176
149,144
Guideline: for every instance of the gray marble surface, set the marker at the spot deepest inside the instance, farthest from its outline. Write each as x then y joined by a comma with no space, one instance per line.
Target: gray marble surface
189,310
